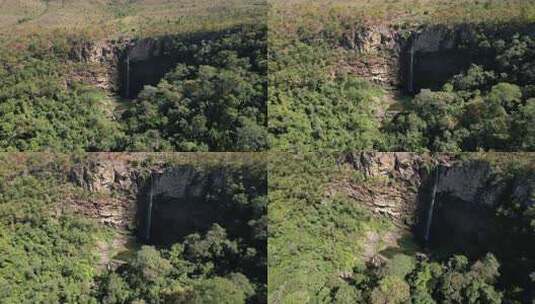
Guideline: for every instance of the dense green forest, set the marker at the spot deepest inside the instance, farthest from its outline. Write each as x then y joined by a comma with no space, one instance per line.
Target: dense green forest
51,253
319,239
311,236
318,99
213,98
488,107
215,101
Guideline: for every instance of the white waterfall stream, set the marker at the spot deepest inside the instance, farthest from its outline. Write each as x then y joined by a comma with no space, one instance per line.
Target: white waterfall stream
431,207
411,70
127,87
149,211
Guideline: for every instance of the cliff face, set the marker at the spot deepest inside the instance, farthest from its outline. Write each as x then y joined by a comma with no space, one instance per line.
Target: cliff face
159,202
179,201
115,184
464,215
393,183
186,182
124,66
398,184
424,57
105,57
379,54
384,51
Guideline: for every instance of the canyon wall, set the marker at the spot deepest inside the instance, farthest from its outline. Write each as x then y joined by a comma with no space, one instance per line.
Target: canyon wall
125,65
160,203
472,213
424,57
398,184
116,185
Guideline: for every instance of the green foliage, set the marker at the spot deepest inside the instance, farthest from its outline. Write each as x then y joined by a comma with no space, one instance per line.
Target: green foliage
216,101
309,109
347,294
218,290
400,265
486,108
183,274
49,252
316,102
453,281
226,264
312,237
42,112
391,289
318,241
46,257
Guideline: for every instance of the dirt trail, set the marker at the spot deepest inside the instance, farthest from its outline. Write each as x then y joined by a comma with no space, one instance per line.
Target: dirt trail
108,250
375,243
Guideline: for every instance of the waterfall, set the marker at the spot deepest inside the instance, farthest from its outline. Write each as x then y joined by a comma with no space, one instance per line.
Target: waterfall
127,86
149,210
411,68
431,207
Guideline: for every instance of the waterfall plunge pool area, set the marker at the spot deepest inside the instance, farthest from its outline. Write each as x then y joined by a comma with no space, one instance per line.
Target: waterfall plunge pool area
177,202
424,67
426,70
145,63
447,225
172,204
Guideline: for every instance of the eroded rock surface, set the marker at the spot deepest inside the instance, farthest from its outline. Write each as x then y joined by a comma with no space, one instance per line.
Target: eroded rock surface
396,183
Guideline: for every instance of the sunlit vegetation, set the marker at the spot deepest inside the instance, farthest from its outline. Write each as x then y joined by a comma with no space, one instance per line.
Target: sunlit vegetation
50,98
317,243
313,238
311,109
226,264
123,17
398,12
49,251
41,111
317,100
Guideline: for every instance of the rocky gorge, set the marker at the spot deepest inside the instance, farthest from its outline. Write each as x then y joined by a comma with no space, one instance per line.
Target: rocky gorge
421,57
447,204
123,66
160,203
409,178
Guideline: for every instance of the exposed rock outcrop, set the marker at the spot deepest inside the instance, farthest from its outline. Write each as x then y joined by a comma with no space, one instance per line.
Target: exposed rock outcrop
384,52
380,50
106,176
104,56
107,58
397,184
121,190
115,185
394,183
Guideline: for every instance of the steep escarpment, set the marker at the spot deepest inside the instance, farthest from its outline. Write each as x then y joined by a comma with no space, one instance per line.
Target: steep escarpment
93,217
426,57
118,183
94,84
177,202
159,203
452,206
399,184
395,185
125,65
427,86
